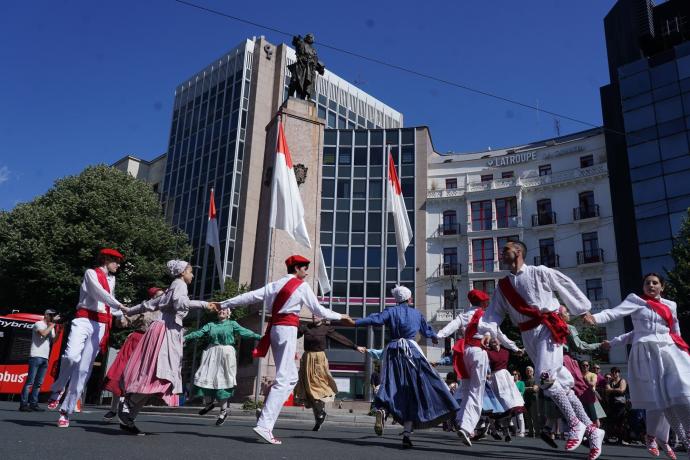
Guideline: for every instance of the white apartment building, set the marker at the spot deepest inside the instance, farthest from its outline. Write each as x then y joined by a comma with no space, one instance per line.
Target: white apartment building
553,195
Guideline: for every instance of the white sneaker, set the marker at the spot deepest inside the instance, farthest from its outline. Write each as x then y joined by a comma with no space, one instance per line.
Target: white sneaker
464,437
596,438
266,435
575,437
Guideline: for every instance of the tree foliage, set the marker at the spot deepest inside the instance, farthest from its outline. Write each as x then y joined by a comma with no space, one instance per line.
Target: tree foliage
48,243
678,285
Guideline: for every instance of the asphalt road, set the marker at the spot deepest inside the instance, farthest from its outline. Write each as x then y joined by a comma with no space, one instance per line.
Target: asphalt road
177,436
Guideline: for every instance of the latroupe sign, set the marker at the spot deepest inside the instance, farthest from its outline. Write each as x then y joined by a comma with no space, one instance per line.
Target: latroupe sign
512,159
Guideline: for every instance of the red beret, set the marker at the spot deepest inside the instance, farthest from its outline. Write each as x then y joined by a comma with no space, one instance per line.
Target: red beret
296,260
476,296
152,291
112,253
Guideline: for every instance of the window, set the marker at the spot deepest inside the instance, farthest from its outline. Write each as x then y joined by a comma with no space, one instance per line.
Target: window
544,214
590,249
449,298
587,208
544,170
501,241
481,215
487,177
450,223
547,253
451,183
450,261
506,212
586,161
507,174
487,286
595,290
344,188
483,255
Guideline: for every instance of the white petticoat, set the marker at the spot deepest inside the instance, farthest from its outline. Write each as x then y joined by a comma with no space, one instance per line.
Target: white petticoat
506,391
658,375
218,368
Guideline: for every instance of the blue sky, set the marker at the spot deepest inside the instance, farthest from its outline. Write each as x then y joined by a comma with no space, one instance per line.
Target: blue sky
89,82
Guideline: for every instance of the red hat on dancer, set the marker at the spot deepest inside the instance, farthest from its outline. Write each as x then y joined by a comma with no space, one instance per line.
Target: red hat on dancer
476,296
152,291
296,260
112,253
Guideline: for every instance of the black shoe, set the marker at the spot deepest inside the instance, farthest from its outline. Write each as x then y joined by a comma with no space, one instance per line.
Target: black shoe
37,408
132,429
319,421
507,438
207,409
406,443
109,416
496,436
221,418
124,417
25,409
546,437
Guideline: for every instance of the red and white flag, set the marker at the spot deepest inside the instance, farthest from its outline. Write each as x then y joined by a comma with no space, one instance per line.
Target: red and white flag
396,205
287,209
212,238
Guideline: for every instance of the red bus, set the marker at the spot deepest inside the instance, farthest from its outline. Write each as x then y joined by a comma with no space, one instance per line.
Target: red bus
15,345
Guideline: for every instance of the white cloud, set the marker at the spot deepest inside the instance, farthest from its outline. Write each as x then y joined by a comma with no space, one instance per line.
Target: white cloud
4,174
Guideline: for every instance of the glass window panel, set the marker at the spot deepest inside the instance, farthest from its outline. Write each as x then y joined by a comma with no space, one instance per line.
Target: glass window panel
673,146
392,257
407,136
359,205
327,252
359,189
677,220
342,238
635,84
669,109
666,91
645,172
342,222
648,190
650,209
483,255
407,153
328,188
345,155
330,137
358,222
671,127
374,290
639,118
361,137
643,135
357,257
340,256
376,155
345,138
343,188
326,221
637,101
657,264
340,273
664,74
679,204
657,248
643,154
654,229
683,67
329,155
376,137
374,219
344,171
677,184
677,164
361,156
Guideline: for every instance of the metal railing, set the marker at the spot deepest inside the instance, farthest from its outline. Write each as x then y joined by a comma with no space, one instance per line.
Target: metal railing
543,218
586,212
552,261
592,256
449,270
448,229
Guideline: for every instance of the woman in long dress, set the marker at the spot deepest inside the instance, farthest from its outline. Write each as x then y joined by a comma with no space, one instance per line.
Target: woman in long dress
659,363
154,369
216,377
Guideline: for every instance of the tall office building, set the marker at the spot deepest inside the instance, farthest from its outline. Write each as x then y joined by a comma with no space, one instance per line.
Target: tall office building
217,140
646,109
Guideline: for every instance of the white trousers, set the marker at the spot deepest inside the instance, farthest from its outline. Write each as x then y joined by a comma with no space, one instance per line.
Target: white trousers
283,347
547,356
472,390
657,424
77,361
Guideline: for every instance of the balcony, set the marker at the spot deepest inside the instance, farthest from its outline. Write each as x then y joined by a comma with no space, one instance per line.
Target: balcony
445,193
446,270
444,316
561,177
495,184
590,257
447,230
543,219
586,212
551,261
599,305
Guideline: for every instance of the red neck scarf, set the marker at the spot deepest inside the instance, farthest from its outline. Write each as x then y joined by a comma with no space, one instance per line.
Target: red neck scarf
666,314
551,320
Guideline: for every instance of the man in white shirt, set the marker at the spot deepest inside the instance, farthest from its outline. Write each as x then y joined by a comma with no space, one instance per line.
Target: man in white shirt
526,295
42,335
286,298
89,332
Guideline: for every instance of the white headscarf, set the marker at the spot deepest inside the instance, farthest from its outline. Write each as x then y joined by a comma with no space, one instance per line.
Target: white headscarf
176,267
401,293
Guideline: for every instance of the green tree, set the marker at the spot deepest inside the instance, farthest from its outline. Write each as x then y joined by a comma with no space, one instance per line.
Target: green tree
678,285
46,244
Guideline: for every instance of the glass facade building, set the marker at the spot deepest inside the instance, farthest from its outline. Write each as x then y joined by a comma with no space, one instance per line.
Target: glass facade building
646,110
215,118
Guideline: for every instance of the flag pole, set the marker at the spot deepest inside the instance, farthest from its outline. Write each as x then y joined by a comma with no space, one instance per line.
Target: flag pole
198,312
259,371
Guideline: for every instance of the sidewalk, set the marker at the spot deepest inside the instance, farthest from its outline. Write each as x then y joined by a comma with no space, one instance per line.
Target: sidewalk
344,415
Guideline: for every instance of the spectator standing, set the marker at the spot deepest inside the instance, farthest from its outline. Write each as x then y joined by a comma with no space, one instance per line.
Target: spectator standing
42,335
615,396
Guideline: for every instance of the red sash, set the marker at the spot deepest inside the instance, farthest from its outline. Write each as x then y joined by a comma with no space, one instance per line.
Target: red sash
467,341
662,310
105,318
551,320
278,319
